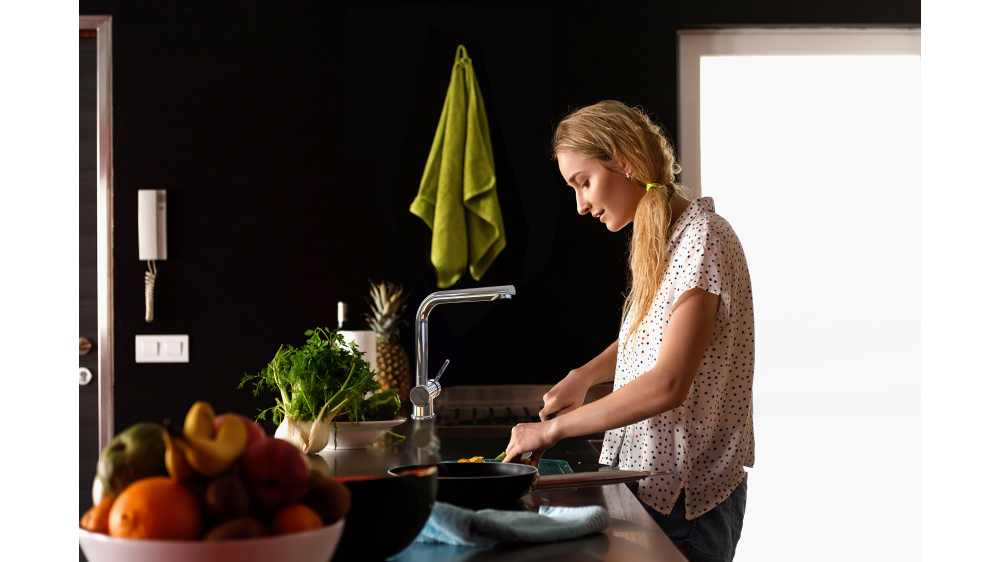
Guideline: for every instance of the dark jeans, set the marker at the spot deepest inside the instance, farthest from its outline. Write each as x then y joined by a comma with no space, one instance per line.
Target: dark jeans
712,537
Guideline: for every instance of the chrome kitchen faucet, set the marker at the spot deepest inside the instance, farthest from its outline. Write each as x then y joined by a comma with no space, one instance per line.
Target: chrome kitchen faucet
424,392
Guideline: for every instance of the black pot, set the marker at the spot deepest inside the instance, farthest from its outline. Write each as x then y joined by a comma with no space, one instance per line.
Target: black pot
387,513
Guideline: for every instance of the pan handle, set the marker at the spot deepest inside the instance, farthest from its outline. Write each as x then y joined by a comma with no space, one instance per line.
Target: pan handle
585,479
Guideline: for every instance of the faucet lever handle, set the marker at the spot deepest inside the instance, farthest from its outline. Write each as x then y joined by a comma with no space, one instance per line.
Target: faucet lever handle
441,371
422,395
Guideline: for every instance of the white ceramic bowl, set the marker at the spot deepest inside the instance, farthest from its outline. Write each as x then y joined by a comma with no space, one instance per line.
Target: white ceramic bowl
308,546
350,436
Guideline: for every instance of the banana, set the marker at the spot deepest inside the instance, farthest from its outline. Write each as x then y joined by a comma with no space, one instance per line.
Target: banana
211,453
200,421
177,464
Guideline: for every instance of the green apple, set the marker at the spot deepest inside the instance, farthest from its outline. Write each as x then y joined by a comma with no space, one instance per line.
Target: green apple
136,453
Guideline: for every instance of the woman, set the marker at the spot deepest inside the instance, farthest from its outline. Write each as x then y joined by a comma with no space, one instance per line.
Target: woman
683,362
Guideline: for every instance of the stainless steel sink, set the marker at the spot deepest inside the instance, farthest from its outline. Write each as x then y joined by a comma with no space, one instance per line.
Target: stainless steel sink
492,410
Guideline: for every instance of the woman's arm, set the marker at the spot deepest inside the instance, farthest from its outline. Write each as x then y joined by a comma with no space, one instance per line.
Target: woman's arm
570,392
664,387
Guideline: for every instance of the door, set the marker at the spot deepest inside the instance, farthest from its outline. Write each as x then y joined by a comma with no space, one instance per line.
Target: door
89,426
96,415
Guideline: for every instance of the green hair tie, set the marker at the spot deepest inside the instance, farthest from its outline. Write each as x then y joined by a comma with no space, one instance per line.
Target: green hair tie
652,185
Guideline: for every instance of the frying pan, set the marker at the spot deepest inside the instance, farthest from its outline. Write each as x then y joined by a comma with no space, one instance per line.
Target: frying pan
477,485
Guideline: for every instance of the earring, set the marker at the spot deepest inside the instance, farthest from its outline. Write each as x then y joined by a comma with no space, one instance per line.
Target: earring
628,175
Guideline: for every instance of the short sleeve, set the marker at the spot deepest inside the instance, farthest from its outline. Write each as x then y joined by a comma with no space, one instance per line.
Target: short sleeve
704,262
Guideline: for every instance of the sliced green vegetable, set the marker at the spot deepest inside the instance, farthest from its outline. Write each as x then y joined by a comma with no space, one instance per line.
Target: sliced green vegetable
501,456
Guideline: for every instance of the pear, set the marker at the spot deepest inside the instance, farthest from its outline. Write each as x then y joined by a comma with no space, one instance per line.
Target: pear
136,453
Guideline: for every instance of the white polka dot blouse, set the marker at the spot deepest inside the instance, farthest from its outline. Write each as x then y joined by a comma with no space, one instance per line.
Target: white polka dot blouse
708,440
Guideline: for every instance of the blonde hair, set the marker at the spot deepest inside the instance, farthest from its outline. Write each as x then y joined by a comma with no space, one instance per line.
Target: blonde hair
617,135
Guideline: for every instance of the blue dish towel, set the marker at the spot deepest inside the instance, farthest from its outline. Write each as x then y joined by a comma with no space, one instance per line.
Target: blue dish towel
459,526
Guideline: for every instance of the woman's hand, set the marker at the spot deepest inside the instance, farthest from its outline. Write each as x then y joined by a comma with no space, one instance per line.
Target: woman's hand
535,438
565,396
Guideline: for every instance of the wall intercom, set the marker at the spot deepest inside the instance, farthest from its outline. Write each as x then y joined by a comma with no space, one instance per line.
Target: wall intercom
152,237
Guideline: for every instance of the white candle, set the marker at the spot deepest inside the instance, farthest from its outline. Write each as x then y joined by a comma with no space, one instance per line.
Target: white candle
366,343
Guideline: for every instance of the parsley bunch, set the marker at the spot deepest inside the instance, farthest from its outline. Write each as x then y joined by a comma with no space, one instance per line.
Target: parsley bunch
321,379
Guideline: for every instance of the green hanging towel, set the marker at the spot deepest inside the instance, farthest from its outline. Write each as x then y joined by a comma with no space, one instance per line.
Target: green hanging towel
458,197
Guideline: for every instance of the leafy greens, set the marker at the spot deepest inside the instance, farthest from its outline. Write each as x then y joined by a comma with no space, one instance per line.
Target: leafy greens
326,377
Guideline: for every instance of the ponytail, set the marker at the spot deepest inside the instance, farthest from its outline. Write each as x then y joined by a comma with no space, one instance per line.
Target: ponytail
647,254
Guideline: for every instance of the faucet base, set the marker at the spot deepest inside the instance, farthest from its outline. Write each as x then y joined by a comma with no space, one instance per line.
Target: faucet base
428,417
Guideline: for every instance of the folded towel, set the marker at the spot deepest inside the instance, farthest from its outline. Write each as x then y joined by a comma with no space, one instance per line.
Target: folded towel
458,526
457,196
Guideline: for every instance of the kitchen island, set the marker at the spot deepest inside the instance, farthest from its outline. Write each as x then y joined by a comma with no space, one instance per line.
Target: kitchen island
632,534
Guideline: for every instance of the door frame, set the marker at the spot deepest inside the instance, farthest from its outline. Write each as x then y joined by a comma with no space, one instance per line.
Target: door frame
105,231
693,44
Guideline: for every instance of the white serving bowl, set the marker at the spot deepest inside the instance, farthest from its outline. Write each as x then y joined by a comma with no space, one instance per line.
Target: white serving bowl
307,546
346,435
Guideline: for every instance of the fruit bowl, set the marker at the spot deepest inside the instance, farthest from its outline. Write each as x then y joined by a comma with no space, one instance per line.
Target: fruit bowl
346,435
307,546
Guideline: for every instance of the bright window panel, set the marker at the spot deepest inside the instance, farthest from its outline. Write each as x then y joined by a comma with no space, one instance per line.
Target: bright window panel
815,162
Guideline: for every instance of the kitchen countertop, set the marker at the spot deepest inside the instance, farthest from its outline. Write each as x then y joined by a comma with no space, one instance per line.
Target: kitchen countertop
632,534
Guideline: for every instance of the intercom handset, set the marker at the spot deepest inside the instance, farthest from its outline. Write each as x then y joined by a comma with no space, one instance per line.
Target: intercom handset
152,237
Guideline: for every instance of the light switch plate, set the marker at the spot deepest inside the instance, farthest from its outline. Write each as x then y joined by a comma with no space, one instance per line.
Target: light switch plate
161,349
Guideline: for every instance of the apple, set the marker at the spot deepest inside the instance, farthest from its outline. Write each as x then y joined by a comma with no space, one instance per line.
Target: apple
276,472
239,528
225,498
254,431
136,453
327,497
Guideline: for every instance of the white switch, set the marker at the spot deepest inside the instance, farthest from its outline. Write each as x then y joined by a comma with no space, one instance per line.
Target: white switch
161,349
174,348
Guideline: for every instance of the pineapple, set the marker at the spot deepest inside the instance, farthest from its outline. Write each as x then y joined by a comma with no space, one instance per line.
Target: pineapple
392,366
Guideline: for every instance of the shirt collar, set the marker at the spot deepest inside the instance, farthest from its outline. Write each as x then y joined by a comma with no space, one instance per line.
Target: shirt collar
696,207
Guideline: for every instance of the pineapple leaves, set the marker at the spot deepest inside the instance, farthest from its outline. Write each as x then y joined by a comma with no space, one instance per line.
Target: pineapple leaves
388,303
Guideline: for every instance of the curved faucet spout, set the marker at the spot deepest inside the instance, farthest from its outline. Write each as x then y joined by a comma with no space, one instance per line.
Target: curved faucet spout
423,312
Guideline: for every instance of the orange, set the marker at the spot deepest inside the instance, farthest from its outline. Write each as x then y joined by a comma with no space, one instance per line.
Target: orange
155,508
96,518
296,518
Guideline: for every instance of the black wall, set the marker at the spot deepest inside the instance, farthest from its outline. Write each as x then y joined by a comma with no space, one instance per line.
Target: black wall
291,140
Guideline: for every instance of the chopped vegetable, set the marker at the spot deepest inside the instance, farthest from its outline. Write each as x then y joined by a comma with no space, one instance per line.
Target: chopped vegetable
499,458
